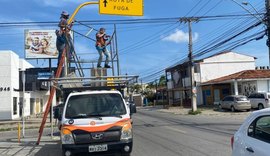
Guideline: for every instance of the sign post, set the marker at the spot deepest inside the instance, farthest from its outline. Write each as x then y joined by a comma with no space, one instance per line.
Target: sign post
121,7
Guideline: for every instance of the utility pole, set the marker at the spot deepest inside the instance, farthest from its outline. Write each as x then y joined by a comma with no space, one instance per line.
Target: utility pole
267,2
193,89
156,93
142,86
23,104
116,50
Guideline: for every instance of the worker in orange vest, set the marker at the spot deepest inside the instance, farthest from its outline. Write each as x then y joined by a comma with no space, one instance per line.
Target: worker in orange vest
101,43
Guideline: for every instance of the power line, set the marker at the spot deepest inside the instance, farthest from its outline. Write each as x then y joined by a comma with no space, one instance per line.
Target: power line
203,6
153,75
128,21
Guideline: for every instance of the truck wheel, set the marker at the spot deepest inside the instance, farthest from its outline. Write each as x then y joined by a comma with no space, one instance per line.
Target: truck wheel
260,106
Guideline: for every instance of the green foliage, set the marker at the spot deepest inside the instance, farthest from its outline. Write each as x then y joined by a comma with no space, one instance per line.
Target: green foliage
162,81
136,88
194,112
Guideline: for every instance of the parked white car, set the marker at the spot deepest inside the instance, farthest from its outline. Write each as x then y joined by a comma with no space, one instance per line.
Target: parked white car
260,100
253,137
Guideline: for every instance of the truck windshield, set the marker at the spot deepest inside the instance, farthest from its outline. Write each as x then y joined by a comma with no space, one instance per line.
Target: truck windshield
95,105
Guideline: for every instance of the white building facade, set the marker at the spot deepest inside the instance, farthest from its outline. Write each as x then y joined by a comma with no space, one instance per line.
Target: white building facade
212,67
10,92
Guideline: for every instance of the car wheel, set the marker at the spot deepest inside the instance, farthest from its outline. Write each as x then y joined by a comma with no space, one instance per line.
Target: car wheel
219,106
232,109
260,106
126,154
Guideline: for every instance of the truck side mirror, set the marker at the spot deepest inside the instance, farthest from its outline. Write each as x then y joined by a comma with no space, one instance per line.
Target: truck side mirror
57,114
132,107
60,114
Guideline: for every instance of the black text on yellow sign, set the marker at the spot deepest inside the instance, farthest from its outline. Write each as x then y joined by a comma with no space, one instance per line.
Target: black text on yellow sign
121,7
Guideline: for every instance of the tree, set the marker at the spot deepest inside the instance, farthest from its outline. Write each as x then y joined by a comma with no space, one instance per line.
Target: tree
136,88
162,81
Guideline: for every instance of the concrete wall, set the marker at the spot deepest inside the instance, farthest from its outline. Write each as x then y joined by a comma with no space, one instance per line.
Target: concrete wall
8,76
6,106
41,96
138,100
225,64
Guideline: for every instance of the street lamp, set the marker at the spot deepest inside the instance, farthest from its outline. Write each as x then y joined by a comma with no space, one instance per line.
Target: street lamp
246,3
261,19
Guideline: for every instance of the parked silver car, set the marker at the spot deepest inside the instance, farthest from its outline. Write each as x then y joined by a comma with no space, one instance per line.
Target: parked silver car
235,102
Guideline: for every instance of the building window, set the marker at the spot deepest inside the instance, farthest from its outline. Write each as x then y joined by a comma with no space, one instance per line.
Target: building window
225,91
15,104
197,68
208,92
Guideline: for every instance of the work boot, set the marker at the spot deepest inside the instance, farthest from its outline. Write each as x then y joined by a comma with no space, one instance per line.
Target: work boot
99,66
107,66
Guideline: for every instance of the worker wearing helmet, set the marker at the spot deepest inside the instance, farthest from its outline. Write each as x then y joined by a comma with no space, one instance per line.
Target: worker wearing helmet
101,43
63,24
63,35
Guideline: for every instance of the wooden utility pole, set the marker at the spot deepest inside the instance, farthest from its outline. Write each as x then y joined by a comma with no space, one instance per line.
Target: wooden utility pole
267,22
191,66
193,89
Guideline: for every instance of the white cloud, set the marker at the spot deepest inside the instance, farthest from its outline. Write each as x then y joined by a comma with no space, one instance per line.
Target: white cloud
180,36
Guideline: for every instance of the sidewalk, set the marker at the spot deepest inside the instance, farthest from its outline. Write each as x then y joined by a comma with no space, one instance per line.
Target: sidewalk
206,111
31,122
47,147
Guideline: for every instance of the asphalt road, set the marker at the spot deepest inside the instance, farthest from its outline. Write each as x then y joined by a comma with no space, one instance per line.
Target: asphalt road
155,134
162,134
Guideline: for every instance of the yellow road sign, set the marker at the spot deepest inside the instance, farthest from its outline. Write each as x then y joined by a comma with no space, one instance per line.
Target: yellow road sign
121,7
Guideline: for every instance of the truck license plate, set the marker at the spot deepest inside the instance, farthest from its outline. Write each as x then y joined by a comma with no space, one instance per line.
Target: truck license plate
98,148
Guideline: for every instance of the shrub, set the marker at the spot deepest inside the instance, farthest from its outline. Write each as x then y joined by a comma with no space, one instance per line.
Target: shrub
194,112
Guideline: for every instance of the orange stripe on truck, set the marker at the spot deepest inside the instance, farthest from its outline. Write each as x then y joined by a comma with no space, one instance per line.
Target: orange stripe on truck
124,122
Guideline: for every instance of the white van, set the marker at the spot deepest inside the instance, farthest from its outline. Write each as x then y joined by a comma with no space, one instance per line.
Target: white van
260,100
96,122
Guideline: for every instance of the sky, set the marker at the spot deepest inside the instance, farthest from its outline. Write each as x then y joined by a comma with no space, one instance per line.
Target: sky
144,48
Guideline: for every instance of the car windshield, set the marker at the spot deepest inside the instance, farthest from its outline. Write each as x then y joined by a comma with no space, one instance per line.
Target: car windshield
95,105
241,98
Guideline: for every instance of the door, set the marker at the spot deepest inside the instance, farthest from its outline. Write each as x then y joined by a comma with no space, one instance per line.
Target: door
204,97
216,96
257,141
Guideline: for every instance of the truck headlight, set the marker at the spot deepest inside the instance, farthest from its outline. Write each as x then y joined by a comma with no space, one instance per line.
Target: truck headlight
66,137
126,133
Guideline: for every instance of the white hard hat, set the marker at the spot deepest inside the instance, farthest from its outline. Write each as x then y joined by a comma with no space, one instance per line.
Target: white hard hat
65,13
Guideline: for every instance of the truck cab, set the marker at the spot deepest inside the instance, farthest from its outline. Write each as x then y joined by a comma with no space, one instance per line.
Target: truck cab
96,122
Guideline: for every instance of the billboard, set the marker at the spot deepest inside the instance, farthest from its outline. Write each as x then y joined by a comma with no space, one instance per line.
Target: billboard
40,44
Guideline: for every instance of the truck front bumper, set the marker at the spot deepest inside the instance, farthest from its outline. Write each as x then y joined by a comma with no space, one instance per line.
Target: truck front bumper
113,148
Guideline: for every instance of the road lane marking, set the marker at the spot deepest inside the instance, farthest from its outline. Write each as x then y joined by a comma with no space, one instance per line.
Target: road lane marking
175,129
